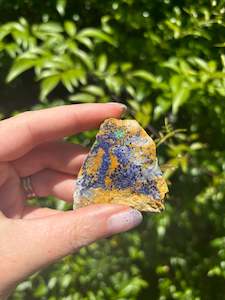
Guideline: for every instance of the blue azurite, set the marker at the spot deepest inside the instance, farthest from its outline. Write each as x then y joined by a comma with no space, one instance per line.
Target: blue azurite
121,168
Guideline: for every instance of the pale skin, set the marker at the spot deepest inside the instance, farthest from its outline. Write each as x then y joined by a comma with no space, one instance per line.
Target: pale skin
32,144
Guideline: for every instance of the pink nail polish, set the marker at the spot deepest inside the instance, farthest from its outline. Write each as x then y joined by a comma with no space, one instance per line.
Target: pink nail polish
124,221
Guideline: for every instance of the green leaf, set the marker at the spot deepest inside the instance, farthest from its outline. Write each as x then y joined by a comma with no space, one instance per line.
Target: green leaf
143,115
222,45
67,83
50,27
2,46
82,97
171,64
222,56
60,7
144,75
163,106
102,62
70,28
85,41
218,242
114,83
175,83
10,26
113,69
19,67
24,286
126,66
131,90
196,146
12,49
134,104
180,98
200,63
46,73
84,57
70,78
96,33
215,271
173,27
95,90
47,85
41,290
3,33
52,282
66,279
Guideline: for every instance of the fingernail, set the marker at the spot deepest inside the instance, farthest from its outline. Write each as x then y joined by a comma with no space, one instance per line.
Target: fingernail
123,106
124,221
124,112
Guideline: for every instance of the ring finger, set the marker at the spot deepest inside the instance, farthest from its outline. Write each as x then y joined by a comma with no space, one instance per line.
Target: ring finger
50,182
58,155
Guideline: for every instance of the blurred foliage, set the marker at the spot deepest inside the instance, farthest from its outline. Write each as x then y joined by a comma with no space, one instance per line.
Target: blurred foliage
165,59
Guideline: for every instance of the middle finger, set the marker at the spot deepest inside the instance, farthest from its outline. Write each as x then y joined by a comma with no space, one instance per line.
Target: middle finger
58,155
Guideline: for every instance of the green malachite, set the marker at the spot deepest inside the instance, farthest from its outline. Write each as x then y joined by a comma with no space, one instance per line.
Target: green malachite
119,134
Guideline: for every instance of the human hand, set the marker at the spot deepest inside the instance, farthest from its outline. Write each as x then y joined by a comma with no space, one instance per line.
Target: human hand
31,145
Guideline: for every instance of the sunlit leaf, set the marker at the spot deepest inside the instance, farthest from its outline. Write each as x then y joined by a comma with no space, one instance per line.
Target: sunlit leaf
95,90
197,146
98,34
84,57
171,64
70,78
12,49
67,83
50,27
40,290
180,98
85,41
102,62
47,85
20,66
60,6
126,67
200,63
70,28
144,75
221,45
114,83
82,97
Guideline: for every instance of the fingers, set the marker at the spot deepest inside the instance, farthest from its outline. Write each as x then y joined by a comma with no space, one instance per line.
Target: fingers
32,212
39,242
57,155
21,133
49,182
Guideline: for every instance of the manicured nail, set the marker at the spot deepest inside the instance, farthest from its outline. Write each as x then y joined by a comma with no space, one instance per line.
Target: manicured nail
124,221
124,107
124,112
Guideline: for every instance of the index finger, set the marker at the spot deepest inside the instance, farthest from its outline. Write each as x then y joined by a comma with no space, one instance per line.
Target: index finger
21,133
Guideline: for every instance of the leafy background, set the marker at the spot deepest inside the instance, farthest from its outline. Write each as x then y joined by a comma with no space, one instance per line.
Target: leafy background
165,59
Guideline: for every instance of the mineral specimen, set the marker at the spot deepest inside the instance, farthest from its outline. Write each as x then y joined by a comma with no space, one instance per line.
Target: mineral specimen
121,168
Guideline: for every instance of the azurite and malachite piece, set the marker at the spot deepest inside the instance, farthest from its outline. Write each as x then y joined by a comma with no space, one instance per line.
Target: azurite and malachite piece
121,168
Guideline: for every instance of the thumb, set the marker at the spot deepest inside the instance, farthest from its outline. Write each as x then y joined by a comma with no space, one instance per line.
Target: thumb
43,241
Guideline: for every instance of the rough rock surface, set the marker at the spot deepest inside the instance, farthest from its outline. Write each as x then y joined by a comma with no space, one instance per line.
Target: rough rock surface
122,168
